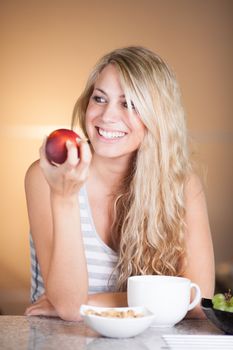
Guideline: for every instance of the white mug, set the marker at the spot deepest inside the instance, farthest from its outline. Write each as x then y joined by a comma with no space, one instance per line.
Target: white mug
168,297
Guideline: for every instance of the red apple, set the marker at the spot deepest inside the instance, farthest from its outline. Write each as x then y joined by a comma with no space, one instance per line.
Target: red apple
55,148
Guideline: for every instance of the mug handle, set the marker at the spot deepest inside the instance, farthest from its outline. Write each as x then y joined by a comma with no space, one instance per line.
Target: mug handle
197,296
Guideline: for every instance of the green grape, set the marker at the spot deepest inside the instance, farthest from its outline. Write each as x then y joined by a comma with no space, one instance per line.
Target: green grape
223,302
231,301
220,306
229,308
218,298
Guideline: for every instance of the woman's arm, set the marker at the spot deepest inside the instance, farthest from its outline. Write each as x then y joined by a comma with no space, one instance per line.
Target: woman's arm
200,256
53,208
44,307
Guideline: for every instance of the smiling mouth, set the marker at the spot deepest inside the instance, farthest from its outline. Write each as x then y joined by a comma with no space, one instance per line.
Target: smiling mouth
111,135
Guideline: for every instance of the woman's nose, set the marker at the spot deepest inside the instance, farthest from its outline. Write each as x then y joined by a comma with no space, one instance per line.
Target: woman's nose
110,114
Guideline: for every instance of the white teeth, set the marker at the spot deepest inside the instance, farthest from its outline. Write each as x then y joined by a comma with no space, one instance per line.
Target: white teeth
111,134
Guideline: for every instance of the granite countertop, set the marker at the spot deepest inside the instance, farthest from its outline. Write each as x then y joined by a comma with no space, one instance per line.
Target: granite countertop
22,332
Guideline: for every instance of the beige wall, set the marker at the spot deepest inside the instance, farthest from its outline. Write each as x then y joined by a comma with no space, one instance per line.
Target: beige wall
47,50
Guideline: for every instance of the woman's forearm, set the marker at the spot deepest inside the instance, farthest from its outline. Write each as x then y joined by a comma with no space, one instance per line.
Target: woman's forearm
67,279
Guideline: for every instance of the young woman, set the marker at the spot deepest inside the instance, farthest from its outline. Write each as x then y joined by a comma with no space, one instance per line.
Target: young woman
130,205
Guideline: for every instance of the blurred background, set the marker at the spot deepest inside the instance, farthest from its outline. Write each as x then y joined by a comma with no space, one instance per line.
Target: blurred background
47,51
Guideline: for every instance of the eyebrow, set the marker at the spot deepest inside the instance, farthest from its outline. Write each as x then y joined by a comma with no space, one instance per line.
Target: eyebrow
103,92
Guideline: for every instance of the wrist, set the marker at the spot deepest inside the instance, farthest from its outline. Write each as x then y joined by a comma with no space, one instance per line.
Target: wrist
61,200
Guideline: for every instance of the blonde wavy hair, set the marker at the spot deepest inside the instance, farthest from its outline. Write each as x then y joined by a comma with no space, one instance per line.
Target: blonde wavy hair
148,212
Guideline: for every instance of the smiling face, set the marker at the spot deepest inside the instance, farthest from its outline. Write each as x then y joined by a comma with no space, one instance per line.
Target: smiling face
113,129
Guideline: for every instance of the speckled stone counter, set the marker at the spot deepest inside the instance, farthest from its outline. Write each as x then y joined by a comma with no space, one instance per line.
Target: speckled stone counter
37,333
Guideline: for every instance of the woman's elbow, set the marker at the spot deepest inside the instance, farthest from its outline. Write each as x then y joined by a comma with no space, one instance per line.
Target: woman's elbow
69,314
70,311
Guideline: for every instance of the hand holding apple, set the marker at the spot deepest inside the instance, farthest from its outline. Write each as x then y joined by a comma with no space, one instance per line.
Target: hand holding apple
73,159
55,148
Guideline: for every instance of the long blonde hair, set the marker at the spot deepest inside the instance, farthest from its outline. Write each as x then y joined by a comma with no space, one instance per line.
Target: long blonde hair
148,225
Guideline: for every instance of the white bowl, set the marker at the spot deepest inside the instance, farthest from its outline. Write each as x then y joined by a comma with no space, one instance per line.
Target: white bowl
114,327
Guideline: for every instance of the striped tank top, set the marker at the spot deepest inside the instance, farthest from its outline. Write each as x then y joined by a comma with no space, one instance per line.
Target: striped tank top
101,259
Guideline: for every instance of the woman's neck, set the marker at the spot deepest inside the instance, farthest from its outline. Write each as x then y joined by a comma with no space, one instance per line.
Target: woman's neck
108,172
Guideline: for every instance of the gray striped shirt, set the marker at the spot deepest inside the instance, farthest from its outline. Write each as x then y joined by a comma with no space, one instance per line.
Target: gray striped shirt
101,259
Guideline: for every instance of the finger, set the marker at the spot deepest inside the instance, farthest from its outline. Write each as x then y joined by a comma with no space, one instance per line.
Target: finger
33,306
39,311
43,159
30,309
39,301
26,311
72,154
42,148
85,153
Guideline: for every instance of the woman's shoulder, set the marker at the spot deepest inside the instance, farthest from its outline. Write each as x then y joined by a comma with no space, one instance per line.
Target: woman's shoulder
34,167
34,176
194,186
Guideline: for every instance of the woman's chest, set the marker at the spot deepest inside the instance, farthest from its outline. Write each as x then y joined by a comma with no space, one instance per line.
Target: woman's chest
101,216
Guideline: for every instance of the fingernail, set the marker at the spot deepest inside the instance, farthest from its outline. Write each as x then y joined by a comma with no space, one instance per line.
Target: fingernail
68,143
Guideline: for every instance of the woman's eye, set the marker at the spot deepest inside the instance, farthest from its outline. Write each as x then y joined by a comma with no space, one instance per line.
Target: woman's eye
125,104
99,99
